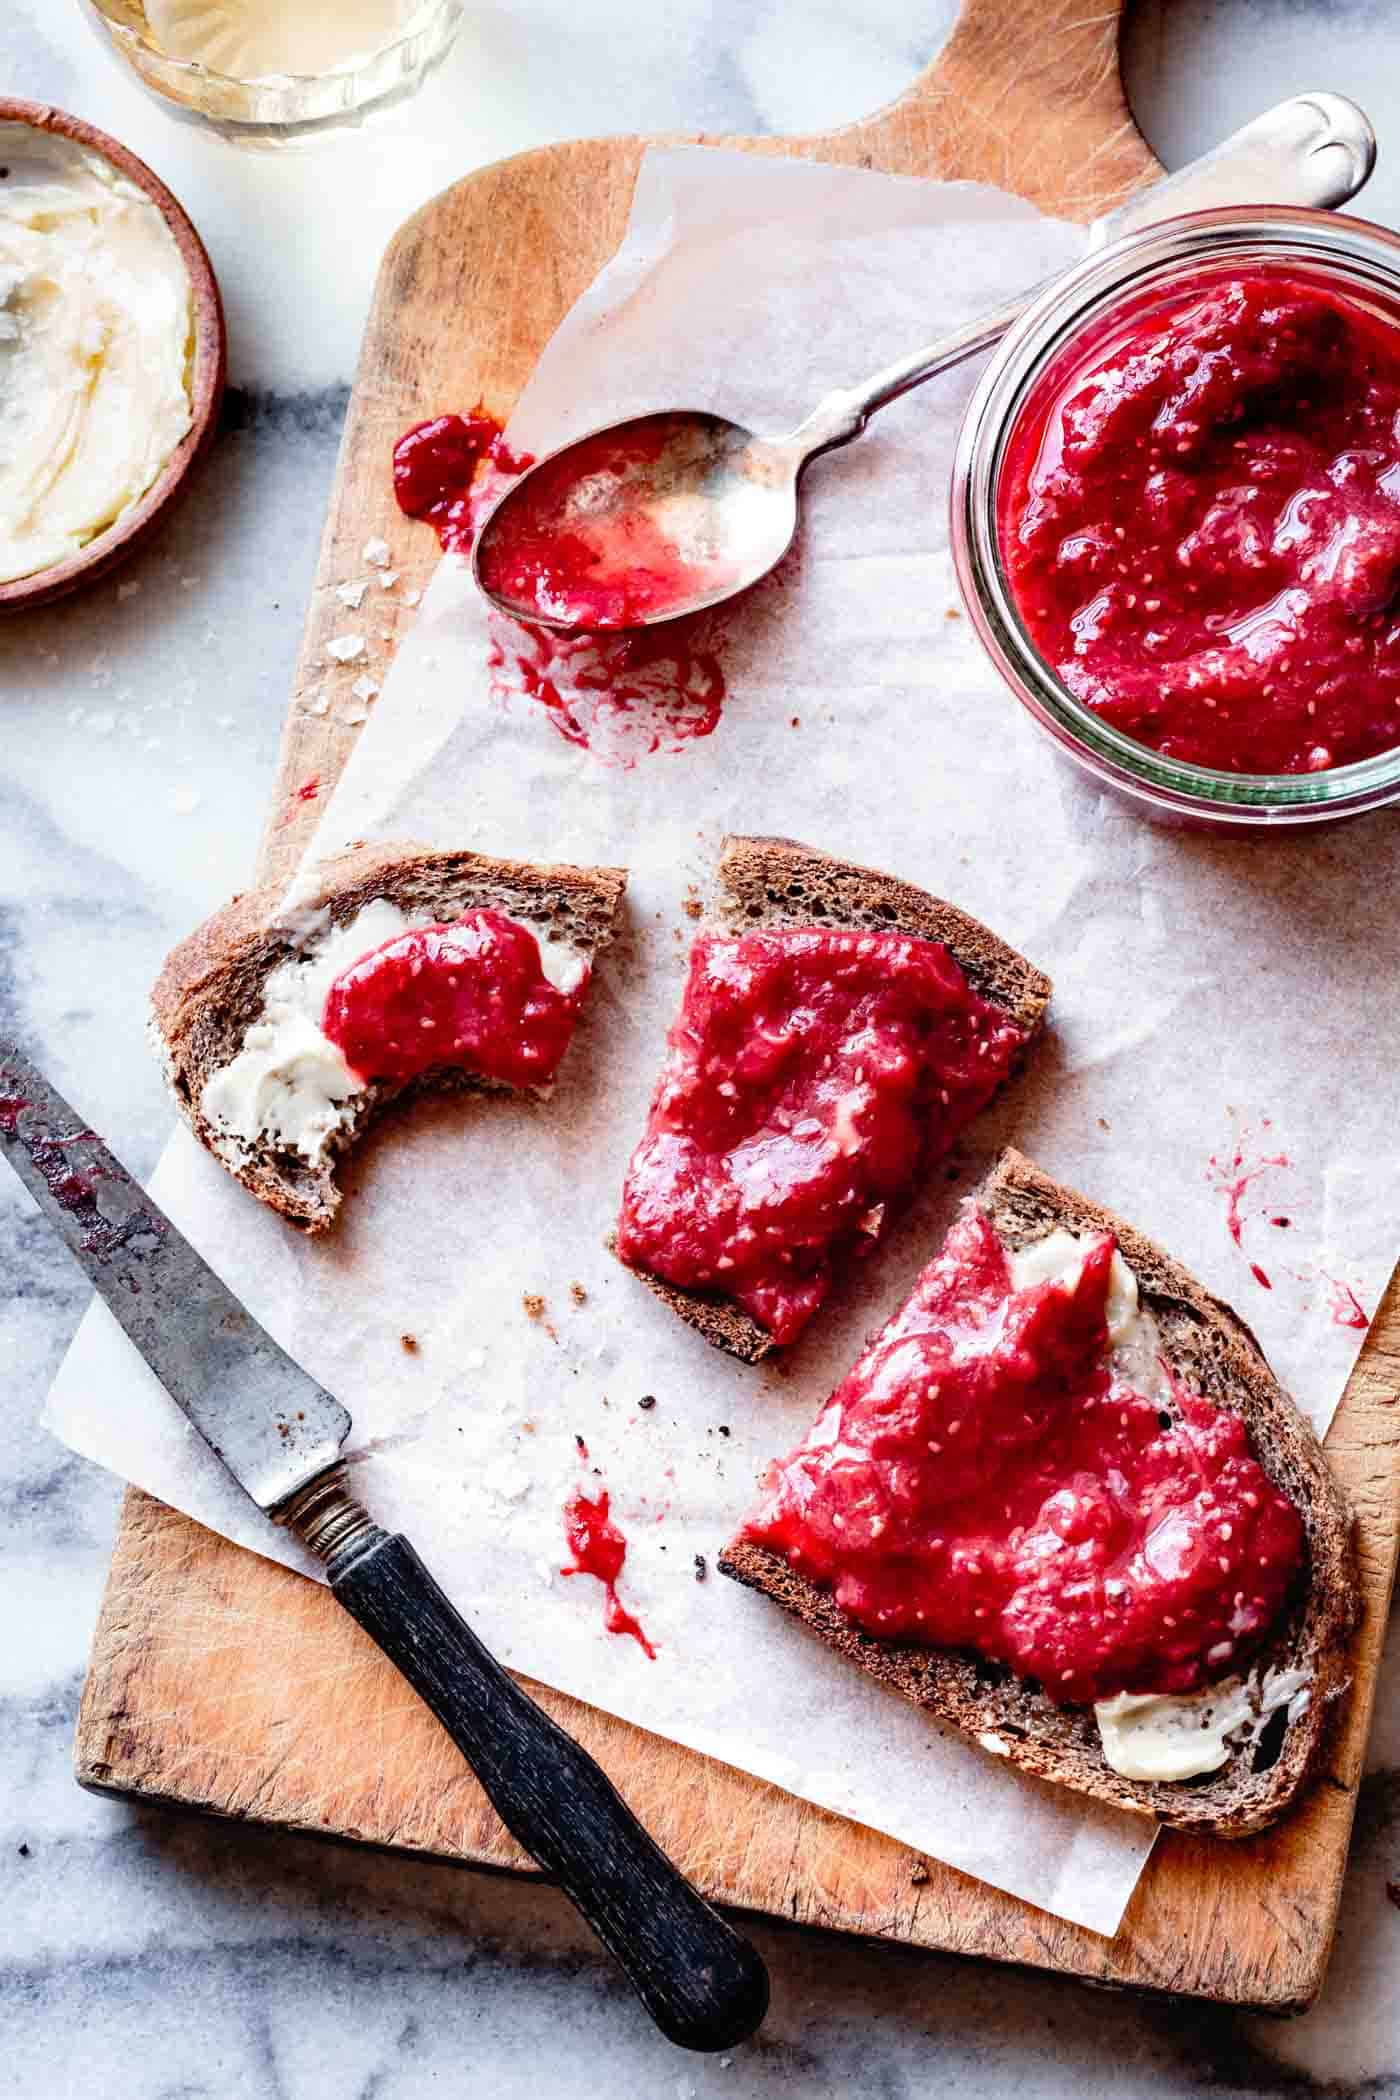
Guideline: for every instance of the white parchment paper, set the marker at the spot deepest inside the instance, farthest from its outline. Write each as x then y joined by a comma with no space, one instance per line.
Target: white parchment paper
1216,1006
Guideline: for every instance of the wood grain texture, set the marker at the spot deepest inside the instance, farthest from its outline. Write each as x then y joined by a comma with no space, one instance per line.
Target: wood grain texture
222,1682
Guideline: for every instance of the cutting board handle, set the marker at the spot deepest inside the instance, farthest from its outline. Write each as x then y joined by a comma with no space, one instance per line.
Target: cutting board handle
1030,98
700,1980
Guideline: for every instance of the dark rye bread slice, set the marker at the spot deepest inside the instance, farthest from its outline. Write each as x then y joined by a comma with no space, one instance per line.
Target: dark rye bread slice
1212,1351
210,990
778,882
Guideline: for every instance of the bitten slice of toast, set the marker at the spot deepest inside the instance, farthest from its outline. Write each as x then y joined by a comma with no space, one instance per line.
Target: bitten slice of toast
771,882
211,989
1212,1351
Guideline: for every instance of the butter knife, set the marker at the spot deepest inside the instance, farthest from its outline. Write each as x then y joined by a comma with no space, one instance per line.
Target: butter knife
280,1435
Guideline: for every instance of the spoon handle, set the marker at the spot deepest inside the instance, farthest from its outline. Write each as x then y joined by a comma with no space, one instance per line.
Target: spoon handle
1315,149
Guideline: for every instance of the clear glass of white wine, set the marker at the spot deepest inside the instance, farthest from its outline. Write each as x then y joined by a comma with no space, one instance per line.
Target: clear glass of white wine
278,72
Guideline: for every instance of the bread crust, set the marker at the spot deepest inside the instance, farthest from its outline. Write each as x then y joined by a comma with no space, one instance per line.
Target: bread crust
211,987
772,882
1213,1351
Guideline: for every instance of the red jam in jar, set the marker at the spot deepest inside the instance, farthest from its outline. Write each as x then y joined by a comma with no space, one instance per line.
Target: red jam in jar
987,1479
472,993
1199,517
809,1075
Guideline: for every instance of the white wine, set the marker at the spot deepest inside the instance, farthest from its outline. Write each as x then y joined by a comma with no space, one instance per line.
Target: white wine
278,72
259,39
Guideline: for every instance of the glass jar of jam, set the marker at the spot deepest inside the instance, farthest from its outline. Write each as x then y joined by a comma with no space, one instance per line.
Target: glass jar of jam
1176,516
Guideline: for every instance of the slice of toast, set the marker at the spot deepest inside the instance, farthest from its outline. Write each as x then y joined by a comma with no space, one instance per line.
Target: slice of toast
211,989
773,882
1212,1351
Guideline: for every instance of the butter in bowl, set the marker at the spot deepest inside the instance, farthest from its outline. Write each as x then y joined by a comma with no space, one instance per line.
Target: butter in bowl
112,351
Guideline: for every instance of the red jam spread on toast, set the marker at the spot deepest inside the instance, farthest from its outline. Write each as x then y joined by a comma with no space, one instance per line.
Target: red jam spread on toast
473,993
1200,522
810,1073
985,1480
587,563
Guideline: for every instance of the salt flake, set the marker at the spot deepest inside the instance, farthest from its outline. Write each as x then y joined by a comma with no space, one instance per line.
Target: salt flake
346,647
376,553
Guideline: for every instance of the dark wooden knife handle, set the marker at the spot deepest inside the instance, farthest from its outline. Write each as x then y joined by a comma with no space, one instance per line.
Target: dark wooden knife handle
700,1980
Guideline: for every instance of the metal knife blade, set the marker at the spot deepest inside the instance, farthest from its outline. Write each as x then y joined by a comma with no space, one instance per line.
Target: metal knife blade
280,1434
272,1425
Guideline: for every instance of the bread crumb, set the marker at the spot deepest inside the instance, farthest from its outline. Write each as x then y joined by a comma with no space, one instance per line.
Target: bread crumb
692,906
1103,1122
578,1294
797,721
409,1344
952,613
535,1309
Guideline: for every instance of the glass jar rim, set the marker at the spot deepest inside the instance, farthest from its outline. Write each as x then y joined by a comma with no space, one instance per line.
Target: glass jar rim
1360,256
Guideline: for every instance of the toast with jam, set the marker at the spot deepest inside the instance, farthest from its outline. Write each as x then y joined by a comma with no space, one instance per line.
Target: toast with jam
284,1029
1062,1503
839,1029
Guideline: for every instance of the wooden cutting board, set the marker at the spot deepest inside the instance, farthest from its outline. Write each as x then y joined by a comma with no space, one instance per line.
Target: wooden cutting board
222,1682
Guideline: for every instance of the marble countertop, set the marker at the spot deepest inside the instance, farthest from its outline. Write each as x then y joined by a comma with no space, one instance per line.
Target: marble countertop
140,729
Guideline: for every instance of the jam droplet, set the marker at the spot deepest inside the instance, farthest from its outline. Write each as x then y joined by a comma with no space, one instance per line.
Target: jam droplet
450,470
599,1549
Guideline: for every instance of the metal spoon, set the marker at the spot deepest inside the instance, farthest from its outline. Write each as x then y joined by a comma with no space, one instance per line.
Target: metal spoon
664,515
